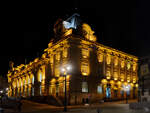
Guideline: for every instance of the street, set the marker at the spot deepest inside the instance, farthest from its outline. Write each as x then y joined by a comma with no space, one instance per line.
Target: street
109,107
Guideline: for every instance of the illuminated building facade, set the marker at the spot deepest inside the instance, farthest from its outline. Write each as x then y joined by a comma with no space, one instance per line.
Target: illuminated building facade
98,72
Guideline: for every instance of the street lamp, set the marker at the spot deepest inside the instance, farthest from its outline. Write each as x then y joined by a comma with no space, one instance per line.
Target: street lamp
6,89
1,91
65,70
126,89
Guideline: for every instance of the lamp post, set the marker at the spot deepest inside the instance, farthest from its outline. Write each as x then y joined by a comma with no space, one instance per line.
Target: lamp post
126,89
65,70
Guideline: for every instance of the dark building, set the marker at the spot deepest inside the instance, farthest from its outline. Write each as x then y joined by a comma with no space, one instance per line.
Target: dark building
144,78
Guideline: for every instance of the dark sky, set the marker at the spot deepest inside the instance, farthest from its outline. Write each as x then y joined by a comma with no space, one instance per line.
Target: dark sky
27,27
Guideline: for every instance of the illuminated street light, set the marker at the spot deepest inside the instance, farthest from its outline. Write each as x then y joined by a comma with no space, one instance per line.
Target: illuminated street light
6,89
65,70
126,88
1,91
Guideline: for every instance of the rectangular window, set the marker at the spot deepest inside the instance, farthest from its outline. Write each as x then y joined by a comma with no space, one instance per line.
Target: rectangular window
57,56
85,53
99,89
57,71
84,87
85,70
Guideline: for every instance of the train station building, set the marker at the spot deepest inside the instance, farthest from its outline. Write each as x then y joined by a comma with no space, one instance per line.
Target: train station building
96,71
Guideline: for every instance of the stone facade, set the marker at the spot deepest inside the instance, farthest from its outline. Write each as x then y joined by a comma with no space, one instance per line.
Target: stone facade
98,72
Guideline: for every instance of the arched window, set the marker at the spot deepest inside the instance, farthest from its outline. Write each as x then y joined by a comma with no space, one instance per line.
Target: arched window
122,63
115,60
32,79
27,80
128,65
40,76
40,79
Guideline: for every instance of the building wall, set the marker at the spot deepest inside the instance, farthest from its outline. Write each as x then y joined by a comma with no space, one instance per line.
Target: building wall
144,78
96,69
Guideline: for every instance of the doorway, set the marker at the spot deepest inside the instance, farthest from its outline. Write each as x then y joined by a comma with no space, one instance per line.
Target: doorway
108,92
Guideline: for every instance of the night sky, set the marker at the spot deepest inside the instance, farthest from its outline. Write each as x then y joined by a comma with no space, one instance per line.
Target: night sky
27,27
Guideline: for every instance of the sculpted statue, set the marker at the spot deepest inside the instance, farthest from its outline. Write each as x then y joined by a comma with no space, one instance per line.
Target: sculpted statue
88,32
58,27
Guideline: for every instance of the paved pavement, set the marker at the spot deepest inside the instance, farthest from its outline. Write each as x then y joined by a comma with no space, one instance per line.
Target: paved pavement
108,107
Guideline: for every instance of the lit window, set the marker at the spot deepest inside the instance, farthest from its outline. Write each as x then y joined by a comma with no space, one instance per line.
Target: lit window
108,59
128,65
57,71
128,78
108,75
84,87
122,77
57,56
99,89
65,52
85,53
122,64
85,69
51,59
116,61
134,79
134,66
33,80
40,77
115,76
